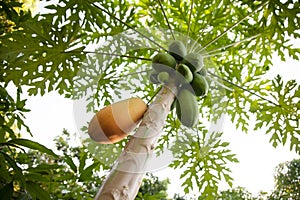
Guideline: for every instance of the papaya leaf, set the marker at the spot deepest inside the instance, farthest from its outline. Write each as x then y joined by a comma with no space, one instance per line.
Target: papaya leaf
18,171
204,160
87,172
44,168
70,162
7,191
32,145
281,118
82,161
36,191
37,177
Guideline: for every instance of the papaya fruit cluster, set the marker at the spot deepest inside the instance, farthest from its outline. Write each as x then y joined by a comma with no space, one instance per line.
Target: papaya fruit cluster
187,71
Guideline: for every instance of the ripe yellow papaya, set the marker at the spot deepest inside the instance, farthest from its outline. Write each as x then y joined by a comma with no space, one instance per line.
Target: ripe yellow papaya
163,61
177,50
114,122
194,61
187,108
199,85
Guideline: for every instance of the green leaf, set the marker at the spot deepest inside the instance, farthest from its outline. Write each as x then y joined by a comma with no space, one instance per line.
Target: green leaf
17,170
70,162
36,191
37,177
7,191
86,174
44,168
32,145
82,161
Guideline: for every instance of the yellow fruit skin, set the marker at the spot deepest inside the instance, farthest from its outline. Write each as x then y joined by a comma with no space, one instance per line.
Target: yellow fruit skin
114,122
187,108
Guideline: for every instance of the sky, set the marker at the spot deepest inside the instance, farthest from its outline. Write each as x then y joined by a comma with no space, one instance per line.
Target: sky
52,113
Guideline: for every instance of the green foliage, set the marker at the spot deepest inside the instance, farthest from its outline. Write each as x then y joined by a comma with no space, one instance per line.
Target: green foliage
32,63
203,158
63,50
29,144
30,170
52,53
39,173
71,173
281,118
152,188
287,180
11,114
11,15
238,193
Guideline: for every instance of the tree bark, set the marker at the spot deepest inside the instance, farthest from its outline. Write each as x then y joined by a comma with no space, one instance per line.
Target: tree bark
126,176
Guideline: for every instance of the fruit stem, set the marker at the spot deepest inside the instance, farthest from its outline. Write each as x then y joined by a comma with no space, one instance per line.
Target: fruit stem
234,25
208,54
119,20
110,54
130,74
240,87
165,16
190,17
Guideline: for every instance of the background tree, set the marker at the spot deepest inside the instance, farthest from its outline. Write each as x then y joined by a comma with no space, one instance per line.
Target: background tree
287,180
238,193
152,188
287,184
53,51
12,13
71,174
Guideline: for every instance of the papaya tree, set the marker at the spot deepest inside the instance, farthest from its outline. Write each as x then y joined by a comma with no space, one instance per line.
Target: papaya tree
209,57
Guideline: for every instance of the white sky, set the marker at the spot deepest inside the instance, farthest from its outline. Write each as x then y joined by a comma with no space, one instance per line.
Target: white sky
52,113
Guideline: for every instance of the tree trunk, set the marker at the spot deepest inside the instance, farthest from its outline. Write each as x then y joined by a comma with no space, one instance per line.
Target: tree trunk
126,176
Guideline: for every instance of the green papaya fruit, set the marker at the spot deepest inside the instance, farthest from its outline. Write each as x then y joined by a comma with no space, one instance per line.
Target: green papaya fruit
187,108
153,77
163,77
194,61
163,61
185,72
203,72
177,50
199,85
